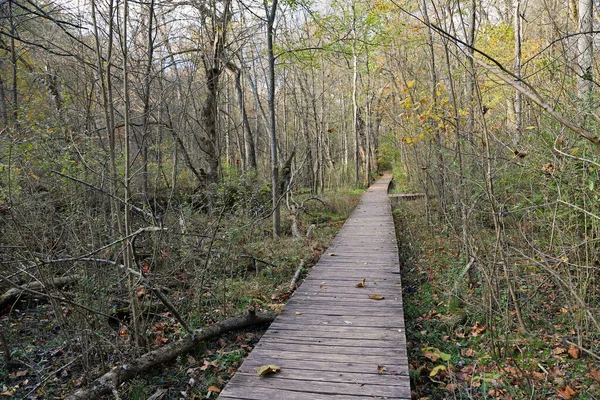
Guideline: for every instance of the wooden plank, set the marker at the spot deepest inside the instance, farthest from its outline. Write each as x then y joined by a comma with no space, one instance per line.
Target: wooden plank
330,338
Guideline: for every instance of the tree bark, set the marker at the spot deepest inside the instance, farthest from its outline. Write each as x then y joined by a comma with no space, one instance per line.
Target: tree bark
10,296
585,48
272,127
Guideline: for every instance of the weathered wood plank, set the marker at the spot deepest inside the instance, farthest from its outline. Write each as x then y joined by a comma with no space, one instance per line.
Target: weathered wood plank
330,338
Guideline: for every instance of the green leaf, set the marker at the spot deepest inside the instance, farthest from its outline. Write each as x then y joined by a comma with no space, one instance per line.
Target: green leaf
437,369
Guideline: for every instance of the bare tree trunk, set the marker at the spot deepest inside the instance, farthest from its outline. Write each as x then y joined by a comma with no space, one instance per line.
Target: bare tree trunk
354,95
146,99
3,108
272,127
107,105
518,95
13,59
471,70
585,48
249,149
128,257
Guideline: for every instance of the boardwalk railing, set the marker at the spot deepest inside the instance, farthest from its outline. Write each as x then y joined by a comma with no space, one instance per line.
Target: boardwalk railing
336,339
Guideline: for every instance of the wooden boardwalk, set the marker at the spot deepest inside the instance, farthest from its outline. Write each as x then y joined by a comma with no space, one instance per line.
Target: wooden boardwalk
332,341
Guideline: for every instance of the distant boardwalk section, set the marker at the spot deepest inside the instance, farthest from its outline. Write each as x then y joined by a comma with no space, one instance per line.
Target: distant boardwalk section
342,334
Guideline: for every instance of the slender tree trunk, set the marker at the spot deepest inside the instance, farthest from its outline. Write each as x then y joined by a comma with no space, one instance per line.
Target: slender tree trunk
13,59
585,49
471,80
108,108
129,263
3,108
272,127
146,99
354,96
518,95
249,149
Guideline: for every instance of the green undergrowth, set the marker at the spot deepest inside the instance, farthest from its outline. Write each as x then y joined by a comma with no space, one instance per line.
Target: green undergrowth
459,348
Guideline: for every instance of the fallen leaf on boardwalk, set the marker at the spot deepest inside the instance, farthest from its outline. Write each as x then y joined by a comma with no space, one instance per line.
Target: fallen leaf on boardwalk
361,284
566,393
477,329
298,313
559,350
376,297
267,369
381,369
574,352
214,389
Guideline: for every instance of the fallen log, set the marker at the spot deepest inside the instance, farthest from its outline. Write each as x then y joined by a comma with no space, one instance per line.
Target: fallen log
11,295
108,382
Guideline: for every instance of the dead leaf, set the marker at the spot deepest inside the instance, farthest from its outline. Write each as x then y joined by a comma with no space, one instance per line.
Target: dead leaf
141,291
435,354
594,374
559,350
451,387
467,352
381,369
214,389
361,284
276,307
267,369
574,352
566,393
477,329
376,297
298,313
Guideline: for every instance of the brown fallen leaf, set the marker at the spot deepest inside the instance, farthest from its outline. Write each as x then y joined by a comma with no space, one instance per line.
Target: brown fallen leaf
451,387
468,352
298,313
559,350
431,355
594,374
477,329
381,369
361,284
376,297
574,352
214,389
267,369
566,393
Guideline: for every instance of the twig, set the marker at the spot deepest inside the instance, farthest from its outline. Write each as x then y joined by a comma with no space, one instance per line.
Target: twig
51,374
586,351
296,276
146,213
259,260
86,256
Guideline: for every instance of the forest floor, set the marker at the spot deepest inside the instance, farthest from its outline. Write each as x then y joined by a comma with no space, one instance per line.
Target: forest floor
48,356
456,351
